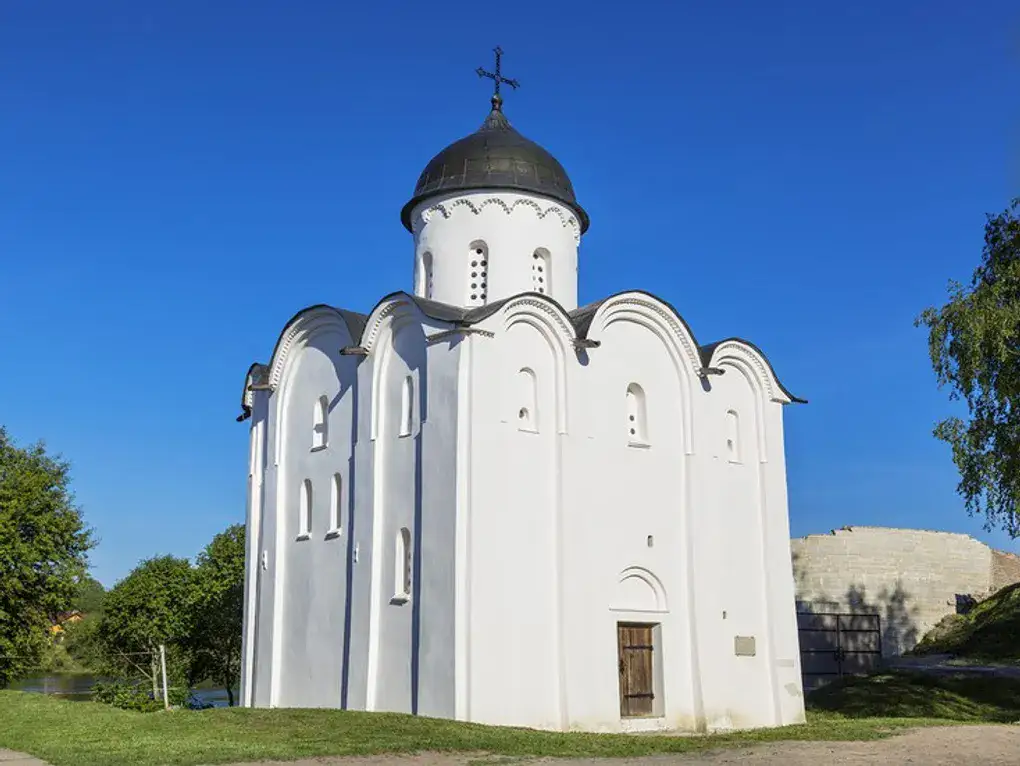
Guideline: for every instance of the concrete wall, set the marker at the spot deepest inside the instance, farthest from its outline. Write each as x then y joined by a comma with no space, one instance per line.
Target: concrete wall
909,577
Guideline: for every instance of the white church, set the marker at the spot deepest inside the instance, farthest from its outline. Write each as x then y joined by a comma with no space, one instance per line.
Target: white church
481,501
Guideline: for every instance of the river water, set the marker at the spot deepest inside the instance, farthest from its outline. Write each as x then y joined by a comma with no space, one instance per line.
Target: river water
79,687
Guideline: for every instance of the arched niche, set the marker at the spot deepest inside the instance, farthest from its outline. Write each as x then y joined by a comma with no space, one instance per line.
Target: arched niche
638,590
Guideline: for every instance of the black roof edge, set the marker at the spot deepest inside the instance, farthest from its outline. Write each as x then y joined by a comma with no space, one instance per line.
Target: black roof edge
350,318
580,318
595,306
245,409
355,326
709,349
583,316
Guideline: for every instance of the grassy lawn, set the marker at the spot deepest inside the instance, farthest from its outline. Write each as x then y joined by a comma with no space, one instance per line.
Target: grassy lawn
87,734
956,698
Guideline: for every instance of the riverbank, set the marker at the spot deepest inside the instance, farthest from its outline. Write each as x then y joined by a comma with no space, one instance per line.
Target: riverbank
78,687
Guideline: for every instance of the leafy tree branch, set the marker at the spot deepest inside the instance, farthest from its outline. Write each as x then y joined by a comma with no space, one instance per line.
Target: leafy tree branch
974,345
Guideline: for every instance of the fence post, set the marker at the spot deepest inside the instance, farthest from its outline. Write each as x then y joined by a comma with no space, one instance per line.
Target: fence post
162,662
152,669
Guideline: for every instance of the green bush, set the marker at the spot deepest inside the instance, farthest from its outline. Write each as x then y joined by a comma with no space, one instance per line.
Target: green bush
125,696
55,658
137,697
944,636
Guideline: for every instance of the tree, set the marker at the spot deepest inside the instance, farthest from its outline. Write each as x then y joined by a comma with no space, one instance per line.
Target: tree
151,606
81,639
44,547
215,639
82,642
89,596
974,344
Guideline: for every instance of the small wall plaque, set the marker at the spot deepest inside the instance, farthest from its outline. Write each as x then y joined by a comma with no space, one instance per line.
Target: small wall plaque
743,646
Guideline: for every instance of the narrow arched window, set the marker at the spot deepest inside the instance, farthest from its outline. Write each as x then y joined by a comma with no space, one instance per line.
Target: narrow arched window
336,505
541,272
733,436
402,565
407,406
527,400
320,428
637,416
478,272
425,275
305,510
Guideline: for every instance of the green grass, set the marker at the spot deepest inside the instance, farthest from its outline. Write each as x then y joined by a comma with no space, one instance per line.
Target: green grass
91,734
959,698
991,630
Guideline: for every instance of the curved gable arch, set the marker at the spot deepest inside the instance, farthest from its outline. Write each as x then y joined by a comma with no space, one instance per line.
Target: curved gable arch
298,331
298,335
662,321
741,357
638,590
750,355
386,321
554,326
399,303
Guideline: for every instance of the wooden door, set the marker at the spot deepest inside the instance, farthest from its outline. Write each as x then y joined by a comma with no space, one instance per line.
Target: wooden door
636,669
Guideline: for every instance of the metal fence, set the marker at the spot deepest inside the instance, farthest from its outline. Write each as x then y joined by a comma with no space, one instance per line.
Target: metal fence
835,644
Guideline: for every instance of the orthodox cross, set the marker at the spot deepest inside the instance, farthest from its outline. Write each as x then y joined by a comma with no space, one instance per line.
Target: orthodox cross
497,78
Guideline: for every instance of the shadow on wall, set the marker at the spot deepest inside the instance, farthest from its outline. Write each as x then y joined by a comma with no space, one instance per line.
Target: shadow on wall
898,618
897,628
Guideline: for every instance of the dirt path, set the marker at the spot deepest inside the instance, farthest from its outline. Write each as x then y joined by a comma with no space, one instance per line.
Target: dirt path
11,758
943,664
935,746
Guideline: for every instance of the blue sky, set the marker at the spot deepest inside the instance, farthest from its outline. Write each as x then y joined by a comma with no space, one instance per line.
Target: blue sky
180,178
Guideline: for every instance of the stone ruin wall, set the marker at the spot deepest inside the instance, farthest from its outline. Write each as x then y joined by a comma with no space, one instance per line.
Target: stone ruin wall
911,578
1005,569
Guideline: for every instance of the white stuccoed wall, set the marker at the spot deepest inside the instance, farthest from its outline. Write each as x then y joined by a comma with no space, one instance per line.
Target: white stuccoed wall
569,566
530,545
315,616
510,227
321,629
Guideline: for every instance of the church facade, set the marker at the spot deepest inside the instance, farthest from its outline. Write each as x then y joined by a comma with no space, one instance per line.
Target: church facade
480,501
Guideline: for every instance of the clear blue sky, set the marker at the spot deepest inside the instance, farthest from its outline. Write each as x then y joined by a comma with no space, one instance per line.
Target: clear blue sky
180,178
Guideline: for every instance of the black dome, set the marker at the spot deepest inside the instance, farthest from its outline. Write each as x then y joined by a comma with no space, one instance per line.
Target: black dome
495,157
